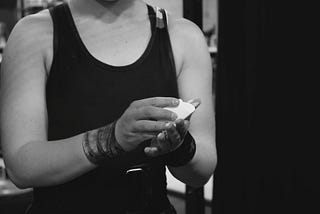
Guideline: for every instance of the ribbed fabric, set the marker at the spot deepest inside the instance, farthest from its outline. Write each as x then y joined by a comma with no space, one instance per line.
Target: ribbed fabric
82,94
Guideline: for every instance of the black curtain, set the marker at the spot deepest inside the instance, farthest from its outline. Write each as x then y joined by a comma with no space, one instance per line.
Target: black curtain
8,4
266,108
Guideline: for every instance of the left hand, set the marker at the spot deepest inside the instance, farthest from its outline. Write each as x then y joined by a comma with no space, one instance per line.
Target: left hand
169,140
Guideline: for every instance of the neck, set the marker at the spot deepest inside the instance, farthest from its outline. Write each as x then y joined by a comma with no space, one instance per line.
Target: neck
107,10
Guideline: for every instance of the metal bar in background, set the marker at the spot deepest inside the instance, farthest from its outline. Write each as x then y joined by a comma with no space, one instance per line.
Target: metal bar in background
192,10
195,203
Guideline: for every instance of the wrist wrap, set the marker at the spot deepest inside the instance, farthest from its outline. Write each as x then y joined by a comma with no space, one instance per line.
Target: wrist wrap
102,149
182,155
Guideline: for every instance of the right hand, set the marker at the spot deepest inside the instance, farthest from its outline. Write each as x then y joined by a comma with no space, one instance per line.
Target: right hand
144,119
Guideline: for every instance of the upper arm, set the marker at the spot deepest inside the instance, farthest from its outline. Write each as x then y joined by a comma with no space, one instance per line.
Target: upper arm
23,77
194,70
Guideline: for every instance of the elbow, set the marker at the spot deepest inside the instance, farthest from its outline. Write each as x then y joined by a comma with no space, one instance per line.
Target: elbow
20,180
200,181
203,178
19,170
206,174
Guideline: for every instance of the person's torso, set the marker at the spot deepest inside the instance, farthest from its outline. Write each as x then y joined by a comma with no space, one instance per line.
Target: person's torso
85,93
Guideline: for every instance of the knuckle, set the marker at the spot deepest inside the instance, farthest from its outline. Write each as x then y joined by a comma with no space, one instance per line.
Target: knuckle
126,115
177,138
163,125
130,136
154,100
169,114
157,126
134,103
142,127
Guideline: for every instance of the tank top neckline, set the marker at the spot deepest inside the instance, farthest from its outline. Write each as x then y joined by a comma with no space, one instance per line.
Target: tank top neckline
104,65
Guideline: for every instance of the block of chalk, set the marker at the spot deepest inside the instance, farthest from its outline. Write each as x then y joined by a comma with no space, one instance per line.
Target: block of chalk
183,110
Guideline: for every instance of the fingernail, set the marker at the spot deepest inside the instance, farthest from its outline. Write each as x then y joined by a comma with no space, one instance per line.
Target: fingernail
174,116
168,125
196,102
176,102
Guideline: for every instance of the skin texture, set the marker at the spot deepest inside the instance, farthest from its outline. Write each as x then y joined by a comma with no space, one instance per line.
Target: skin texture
121,27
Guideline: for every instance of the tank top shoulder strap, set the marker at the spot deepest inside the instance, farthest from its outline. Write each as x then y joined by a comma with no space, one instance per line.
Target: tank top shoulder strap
162,24
58,17
55,29
161,18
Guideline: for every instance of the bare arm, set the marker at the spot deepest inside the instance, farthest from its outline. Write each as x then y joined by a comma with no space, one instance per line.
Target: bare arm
30,159
195,81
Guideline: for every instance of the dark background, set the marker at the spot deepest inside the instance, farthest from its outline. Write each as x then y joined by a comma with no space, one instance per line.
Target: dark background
266,108
7,3
8,13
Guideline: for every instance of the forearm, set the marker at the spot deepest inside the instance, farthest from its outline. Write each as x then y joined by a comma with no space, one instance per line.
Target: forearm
199,170
54,162
45,163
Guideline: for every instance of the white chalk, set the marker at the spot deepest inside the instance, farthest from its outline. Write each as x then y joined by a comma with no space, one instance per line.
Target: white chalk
183,110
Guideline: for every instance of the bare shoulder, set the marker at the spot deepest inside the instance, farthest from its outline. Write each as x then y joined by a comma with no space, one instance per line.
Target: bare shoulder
187,40
184,30
31,39
31,29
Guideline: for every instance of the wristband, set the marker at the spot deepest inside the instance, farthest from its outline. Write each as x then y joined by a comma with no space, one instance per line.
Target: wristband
182,155
101,144
102,149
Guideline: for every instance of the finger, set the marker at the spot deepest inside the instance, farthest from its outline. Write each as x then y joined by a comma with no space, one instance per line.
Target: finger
149,126
161,143
157,102
161,137
146,136
155,113
195,102
153,134
182,126
174,136
151,151
155,147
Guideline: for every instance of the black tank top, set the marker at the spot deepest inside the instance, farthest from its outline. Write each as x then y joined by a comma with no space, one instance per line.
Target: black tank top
83,93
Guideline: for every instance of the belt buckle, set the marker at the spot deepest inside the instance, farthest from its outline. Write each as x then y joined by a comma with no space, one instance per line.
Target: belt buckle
134,170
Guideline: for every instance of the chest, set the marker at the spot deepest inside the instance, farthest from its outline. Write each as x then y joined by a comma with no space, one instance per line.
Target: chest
117,44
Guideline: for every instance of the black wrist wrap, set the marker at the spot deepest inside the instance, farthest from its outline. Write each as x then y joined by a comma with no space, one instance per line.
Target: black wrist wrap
102,145
102,149
182,155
